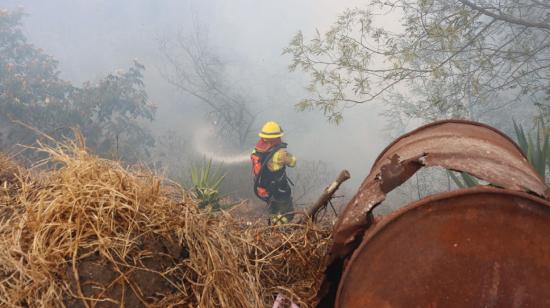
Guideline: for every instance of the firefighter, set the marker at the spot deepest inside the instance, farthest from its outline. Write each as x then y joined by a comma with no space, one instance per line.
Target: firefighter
269,161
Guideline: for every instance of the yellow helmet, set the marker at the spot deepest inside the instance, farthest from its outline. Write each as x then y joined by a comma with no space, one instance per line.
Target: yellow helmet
271,130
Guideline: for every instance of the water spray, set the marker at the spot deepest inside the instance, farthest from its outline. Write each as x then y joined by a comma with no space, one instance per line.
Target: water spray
201,145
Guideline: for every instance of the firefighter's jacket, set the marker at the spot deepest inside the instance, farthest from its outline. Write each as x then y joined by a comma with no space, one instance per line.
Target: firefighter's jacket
269,169
280,159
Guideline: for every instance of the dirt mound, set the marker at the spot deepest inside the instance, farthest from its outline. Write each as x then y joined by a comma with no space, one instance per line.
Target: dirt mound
147,284
91,233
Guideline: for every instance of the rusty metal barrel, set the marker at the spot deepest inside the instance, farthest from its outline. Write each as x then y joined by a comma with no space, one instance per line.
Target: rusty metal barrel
486,246
475,248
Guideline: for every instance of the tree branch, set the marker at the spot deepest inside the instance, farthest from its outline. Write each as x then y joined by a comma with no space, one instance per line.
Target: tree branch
546,5
509,19
327,194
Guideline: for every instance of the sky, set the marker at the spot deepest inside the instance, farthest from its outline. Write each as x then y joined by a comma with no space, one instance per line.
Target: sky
91,38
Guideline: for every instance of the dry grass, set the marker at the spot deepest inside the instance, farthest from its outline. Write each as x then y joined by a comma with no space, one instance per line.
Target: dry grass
92,233
9,173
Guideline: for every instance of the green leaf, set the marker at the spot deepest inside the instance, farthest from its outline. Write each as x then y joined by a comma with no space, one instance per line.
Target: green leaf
455,179
206,182
520,137
531,152
544,155
536,148
217,184
469,180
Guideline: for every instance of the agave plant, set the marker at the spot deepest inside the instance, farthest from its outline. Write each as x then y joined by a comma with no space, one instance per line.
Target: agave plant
465,179
206,183
535,147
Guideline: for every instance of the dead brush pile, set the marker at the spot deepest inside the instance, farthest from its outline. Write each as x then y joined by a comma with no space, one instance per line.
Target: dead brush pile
90,233
10,172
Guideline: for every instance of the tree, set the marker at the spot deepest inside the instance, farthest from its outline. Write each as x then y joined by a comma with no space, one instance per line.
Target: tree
453,58
194,69
112,110
32,93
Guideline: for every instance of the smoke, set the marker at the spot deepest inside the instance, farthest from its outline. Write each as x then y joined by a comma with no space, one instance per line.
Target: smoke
203,144
92,38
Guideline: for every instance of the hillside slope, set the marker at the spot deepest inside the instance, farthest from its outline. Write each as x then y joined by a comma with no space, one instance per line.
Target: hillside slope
81,231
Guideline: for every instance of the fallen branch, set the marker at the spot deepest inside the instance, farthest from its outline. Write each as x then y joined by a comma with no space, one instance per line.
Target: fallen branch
327,194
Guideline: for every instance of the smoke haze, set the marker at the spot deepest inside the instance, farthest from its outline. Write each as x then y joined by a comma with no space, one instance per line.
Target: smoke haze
92,38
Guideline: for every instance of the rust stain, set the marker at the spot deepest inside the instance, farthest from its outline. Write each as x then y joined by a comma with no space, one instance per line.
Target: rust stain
490,296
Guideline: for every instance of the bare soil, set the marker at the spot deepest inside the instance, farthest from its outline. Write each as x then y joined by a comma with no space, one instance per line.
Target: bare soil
132,287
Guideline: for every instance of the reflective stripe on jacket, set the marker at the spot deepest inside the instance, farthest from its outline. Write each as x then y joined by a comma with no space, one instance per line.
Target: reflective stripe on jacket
280,159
